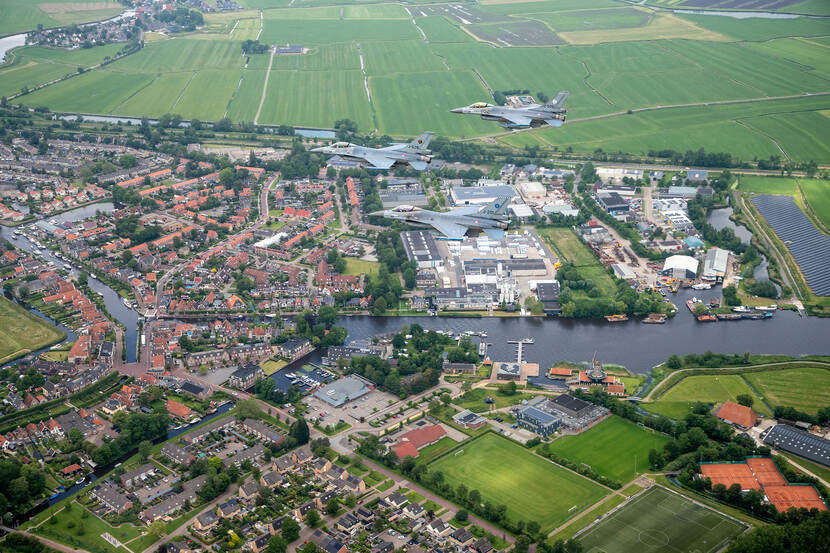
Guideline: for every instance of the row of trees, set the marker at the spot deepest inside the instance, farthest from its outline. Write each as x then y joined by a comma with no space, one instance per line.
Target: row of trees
133,429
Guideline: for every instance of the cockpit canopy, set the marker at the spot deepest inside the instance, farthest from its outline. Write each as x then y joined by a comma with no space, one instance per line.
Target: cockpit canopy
480,105
341,145
404,208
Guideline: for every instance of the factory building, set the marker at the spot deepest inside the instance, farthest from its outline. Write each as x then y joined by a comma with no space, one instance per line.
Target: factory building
461,195
420,247
715,264
680,266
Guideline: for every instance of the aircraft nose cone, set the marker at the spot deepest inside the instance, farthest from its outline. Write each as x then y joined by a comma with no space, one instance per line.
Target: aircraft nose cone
457,110
319,149
376,214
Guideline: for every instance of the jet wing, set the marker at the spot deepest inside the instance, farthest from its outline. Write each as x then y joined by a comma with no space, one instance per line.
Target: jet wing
394,147
449,229
466,210
379,162
418,165
516,119
554,122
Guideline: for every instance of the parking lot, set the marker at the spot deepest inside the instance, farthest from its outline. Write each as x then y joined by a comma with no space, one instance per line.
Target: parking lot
366,406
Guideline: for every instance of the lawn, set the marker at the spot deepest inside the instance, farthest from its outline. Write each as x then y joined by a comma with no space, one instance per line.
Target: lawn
432,452
679,399
271,366
72,528
821,471
474,400
359,267
657,521
385,485
612,448
817,193
22,332
767,185
531,487
806,389
586,519
567,245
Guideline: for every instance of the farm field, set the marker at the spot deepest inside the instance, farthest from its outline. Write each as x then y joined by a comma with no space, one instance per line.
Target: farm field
531,487
439,29
94,92
767,185
22,332
807,389
679,399
758,29
584,20
817,193
658,520
24,15
612,448
800,134
245,100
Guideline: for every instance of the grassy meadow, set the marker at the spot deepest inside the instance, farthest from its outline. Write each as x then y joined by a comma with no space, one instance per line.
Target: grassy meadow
22,332
422,61
531,487
807,389
612,448
677,402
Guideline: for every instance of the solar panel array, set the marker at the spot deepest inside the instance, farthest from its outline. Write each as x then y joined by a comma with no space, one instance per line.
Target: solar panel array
808,245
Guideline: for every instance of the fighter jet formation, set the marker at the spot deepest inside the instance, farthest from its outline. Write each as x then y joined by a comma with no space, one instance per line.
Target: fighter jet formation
522,116
415,154
492,218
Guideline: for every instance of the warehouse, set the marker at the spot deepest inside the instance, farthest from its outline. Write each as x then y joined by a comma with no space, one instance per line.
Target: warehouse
421,248
799,442
612,202
680,266
341,391
461,195
715,264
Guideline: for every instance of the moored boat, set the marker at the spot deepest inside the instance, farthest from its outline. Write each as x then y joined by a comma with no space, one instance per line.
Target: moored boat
618,318
655,318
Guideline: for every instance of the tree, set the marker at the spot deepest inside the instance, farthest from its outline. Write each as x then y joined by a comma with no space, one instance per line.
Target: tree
276,545
445,398
309,547
312,518
745,399
333,506
674,362
655,459
248,409
461,515
299,431
379,307
144,449
290,529
156,529
700,309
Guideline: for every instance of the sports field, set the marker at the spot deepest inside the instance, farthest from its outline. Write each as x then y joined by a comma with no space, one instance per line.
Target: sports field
806,389
22,332
613,448
679,399
660,521
531,487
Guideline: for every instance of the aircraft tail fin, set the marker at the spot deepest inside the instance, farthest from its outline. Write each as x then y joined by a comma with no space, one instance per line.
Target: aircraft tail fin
558,101
497,208
422,142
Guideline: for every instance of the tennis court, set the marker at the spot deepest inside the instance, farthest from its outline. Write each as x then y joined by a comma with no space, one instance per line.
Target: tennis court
659,520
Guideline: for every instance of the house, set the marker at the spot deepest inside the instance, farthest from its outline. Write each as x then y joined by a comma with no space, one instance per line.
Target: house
206,522
216,426
482,546
109,496
322,500
461,537
271,479
414,510
383,547
132,478
249,489
739,415
326,543
258,544
348,523
439,528
245,376
295,348
468,419
229,508
177,454
396,500
262,431
364,514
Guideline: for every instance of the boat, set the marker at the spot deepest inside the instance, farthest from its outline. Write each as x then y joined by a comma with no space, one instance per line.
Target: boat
714,302
707,318
691,305
127,303
701,286
618,318
67,266
729,316
742,309
482,349
655,319
767,308
757,315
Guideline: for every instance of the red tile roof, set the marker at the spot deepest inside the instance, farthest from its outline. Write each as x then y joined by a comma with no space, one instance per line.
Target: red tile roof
405,449
737,414
421,437
177,409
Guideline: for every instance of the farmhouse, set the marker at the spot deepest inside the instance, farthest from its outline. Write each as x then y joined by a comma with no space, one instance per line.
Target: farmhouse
739,415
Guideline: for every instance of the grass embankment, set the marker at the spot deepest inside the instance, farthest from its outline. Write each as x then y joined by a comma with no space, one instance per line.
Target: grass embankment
22,332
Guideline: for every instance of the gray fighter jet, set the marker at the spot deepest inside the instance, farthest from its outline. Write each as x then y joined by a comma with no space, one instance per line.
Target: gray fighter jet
521,117
415,153
492,218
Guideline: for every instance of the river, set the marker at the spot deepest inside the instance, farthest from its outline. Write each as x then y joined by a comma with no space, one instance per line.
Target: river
114,304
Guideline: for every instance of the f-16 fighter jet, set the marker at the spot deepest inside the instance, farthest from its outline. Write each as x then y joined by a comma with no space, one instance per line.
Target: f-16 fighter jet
415,153
492,218
523,116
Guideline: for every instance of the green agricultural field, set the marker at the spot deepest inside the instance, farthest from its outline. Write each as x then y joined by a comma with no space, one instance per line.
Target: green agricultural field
158,98
810,54
94,92
767,185
612,448
430,95
182,54
18,16
245,100
358,267
679,399
531,487
802,135
583,20
659,520
817,193
500,7
759,29
282,31
22,332
385,59
439,29
806,389
321,58
307,98
208,94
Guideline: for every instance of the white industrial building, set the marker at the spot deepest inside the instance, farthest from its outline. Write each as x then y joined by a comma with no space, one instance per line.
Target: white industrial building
715,264
616,174
461,195
680,266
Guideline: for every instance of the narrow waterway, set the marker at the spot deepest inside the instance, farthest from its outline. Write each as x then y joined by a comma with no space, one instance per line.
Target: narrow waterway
720,218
